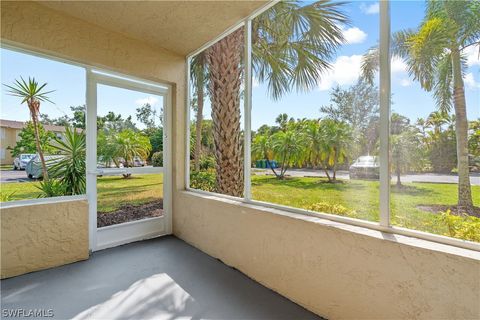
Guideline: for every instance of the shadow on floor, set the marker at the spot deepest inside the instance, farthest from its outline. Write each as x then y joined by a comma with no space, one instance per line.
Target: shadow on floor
163,278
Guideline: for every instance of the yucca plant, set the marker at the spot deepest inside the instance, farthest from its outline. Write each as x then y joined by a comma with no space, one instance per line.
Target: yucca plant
70,168
32,94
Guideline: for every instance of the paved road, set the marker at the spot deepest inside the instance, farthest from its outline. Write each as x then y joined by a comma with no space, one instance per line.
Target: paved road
20,176
423,177
13,176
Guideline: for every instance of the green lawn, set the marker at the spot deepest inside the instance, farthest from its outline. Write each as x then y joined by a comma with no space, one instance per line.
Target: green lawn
113,191
362,196
357,195
6,167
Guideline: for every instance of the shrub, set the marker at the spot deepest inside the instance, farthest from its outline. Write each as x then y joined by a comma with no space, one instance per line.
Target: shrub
52,188
157,159
467,228
333,208
203,180
207,162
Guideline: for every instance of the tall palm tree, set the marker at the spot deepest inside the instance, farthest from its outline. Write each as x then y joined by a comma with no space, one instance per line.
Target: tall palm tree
32,94
434,53
291,46
199,76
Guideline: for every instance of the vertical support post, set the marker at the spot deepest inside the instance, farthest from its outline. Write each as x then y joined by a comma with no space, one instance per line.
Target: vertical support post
385,96
247,110
91,157
187,124
167,160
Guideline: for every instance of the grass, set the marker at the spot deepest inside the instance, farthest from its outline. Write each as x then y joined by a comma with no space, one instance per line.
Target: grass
113,191
358,195
6,167
362,196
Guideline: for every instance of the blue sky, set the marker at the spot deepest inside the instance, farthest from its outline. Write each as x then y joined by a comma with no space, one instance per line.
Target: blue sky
408,98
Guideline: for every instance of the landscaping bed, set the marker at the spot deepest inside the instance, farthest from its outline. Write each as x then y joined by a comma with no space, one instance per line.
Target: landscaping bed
128,212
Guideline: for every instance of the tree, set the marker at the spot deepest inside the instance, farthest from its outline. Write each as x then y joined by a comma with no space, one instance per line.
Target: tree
28,143
434,54
131,144
147,115
288,146
70,169
357,106
32,94
335,138
291,44
199,76
404,144
262,149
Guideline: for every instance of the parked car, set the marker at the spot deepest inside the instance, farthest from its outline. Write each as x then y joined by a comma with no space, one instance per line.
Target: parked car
365,167
34,166
137,162
108,164
20,162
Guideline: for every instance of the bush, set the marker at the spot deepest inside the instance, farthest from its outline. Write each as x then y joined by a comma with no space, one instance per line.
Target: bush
4,197
203,180
327,207
157,159
207,162
52,188
466,228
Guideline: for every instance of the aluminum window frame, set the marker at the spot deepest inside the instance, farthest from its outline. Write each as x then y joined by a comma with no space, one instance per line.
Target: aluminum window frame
384,223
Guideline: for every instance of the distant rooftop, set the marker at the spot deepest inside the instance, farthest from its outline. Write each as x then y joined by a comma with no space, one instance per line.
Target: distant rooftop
20,125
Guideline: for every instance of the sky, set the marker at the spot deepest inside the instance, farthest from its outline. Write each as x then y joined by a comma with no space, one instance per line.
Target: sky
409,99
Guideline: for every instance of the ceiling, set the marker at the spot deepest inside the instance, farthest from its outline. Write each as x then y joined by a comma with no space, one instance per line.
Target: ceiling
178,26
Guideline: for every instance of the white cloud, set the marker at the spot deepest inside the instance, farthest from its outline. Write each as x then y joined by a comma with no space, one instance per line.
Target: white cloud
470,81
354,35
345,71
405,82
397,65
473,55
150,100
373,8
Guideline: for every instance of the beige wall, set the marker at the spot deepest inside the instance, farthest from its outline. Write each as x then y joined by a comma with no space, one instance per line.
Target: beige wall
334,270
8,139
41,236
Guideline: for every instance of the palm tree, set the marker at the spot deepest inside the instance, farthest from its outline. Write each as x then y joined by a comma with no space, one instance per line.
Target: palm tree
289,146
199,76
32,93
434,53
131,144
335,141
262,149
291,46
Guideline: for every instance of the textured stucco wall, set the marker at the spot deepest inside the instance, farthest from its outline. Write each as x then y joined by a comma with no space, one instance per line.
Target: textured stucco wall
334,270
41,236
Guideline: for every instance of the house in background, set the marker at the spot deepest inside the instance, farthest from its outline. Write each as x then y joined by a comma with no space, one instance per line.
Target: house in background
9,136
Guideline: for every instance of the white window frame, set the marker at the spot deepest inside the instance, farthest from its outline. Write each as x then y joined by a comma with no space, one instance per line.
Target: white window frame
110,236
383,224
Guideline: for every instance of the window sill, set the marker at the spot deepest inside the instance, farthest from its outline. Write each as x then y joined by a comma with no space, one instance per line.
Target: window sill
413,238
30,202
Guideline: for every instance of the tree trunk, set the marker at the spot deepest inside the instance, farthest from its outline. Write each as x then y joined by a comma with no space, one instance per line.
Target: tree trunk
199,116
34,107
461,127
224,60
397,171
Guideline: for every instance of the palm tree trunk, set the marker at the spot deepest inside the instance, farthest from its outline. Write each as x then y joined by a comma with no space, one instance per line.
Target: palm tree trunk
199,116
224,60
461,127
34,116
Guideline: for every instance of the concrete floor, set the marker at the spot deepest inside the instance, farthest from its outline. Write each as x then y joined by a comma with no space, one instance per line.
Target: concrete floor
162,278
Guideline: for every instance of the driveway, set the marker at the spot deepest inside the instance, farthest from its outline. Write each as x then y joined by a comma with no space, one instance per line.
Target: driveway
422,177
13,176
